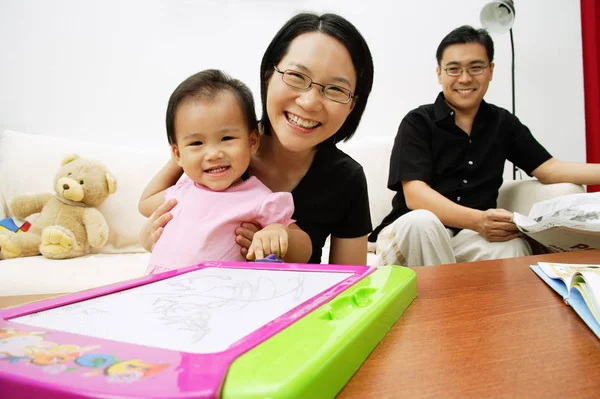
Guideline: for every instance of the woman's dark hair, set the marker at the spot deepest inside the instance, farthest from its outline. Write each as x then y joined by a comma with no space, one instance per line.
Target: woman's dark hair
208,84
466,34
338,28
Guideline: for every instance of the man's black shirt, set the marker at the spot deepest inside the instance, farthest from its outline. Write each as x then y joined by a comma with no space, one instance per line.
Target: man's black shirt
466,169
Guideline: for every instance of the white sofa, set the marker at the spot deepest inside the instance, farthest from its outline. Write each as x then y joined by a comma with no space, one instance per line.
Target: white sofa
28,164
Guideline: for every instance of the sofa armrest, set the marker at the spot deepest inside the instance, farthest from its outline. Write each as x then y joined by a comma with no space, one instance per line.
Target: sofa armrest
520,195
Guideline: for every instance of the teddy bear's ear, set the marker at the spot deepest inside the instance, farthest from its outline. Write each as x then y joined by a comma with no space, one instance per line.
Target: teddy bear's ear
69,158
112,183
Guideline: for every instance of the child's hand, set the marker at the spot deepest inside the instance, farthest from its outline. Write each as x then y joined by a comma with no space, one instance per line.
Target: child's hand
273,239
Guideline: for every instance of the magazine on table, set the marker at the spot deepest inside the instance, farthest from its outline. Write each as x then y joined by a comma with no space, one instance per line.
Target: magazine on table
564,224
578,285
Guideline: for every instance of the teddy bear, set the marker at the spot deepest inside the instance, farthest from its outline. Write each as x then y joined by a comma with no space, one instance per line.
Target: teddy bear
68,222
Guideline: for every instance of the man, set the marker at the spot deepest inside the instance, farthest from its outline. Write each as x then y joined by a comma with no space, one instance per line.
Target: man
447,165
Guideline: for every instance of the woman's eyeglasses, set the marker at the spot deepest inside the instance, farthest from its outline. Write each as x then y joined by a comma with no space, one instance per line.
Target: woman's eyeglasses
301,81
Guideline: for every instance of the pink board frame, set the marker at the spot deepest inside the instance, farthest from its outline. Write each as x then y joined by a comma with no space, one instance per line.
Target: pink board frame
92,367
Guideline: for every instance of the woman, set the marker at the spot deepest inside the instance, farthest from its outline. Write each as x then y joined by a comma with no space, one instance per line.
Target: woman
316,76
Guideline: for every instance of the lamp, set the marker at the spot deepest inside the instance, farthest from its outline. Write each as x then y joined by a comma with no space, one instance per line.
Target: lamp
498,17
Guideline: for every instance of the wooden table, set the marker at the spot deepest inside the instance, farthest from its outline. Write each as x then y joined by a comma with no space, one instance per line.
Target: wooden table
10,301
484,329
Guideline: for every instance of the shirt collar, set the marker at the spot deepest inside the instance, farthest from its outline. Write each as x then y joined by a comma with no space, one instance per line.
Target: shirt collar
442,110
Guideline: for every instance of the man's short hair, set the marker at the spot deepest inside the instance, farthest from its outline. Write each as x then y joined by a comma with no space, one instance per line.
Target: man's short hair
466,34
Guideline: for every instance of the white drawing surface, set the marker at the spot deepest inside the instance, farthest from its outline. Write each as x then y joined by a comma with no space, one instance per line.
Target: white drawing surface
204,311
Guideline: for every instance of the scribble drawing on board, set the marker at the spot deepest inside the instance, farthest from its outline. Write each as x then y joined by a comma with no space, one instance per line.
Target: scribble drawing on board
75,309
202,311
178,306
187,316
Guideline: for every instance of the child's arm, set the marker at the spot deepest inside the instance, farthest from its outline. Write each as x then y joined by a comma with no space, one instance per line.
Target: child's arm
290,243
154,194
147,206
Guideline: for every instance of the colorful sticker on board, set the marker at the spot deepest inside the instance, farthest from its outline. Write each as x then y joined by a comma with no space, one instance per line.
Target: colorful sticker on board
31,348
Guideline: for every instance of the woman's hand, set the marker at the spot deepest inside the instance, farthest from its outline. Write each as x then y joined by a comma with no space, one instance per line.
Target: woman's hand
156,223
244,236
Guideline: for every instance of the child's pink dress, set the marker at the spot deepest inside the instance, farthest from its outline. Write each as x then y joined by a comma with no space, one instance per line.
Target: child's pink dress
204,222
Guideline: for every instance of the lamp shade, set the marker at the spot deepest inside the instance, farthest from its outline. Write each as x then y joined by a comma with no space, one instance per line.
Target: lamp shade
498,16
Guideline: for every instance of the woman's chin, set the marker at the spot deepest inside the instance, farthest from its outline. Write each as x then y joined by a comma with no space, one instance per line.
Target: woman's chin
298,144
296,141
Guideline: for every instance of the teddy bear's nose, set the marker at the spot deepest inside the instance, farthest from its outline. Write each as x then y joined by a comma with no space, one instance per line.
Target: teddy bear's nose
66,186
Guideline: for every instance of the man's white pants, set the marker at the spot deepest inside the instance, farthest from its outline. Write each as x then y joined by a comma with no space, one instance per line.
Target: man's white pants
418,238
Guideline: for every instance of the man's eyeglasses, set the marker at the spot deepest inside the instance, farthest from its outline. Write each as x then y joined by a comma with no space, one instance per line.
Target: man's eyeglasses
472,70
301,81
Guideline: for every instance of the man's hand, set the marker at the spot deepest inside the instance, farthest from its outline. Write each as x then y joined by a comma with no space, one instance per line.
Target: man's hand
496,225
273,239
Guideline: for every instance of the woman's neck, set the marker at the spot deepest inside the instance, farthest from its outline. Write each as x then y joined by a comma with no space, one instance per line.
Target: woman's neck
277,167
272,149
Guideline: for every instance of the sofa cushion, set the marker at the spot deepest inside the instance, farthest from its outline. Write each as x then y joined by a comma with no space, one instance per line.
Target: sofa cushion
29,162
36,275
373,153
520,195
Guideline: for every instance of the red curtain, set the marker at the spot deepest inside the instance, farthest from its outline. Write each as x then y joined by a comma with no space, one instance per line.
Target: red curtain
590,30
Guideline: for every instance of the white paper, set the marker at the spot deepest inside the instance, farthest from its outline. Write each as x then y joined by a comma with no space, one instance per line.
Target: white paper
559,206
578,211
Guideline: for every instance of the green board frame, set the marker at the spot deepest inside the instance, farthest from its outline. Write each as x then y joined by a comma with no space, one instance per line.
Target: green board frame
317,355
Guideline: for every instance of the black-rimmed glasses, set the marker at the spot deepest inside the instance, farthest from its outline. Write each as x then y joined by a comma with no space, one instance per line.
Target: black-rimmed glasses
472,70
301,81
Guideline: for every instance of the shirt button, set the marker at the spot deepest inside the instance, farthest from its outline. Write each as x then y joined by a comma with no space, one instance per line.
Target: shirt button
451,112
470,141
465,181
470,162
458,199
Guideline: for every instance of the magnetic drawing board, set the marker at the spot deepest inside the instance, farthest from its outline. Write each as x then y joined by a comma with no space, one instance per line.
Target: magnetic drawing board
173,334
203,311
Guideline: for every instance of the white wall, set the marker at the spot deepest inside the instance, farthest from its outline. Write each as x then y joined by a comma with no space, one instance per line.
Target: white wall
103,70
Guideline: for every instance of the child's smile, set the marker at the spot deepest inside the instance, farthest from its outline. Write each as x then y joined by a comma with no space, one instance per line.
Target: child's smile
214,144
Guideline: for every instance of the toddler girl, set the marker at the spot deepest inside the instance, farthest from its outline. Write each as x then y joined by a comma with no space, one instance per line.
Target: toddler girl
212,130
